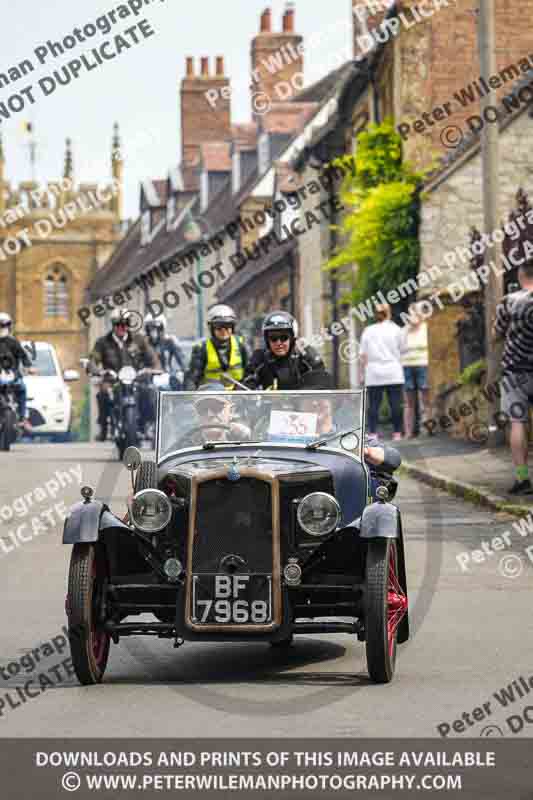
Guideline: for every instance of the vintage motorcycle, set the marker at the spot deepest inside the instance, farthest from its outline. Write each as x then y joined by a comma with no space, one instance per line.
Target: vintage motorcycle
9,416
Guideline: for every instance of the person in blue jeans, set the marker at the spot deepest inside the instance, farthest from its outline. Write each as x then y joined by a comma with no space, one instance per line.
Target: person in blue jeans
415,360
381,369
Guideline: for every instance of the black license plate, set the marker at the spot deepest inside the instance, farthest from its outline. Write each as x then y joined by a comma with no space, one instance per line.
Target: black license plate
232,599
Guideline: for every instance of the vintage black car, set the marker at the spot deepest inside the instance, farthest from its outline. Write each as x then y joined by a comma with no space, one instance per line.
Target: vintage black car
255,523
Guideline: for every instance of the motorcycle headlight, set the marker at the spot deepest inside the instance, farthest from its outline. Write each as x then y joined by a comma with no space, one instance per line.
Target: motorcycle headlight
150,510
127,375
319,514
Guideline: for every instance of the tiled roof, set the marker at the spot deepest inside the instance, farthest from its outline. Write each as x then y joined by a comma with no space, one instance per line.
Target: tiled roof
317,92
287,117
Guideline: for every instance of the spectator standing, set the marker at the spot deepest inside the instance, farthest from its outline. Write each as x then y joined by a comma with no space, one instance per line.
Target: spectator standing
514,323
381,368
415,360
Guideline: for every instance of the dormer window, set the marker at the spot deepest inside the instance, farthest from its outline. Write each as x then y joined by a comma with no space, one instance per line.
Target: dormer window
204,190
236,171
146,227
264,152
171,210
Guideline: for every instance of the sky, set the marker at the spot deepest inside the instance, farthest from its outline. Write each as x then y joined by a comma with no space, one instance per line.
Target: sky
139,88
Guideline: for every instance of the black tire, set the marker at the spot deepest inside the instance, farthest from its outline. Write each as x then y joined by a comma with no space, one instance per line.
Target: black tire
381,645
11,422
5,441
283,644
89,643
146,477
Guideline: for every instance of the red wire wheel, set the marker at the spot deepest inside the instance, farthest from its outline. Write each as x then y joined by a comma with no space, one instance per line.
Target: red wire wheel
386,605
89,642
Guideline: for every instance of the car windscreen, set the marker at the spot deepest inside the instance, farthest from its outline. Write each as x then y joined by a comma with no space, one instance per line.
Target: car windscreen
195,419
44,363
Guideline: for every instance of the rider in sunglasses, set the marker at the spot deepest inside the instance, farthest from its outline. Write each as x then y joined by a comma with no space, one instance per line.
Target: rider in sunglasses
280,364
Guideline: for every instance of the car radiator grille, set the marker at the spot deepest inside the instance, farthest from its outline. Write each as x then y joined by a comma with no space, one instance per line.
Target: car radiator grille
233,518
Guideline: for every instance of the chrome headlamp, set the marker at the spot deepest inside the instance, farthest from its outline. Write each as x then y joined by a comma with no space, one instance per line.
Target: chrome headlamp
319,514
127,375
150,510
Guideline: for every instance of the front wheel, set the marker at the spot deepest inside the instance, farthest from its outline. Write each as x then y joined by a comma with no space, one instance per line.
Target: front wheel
386,605
89,642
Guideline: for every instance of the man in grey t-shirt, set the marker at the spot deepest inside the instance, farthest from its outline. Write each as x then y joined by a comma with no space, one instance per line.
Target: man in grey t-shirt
514,323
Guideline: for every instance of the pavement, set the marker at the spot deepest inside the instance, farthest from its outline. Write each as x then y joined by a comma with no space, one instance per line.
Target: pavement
466,606
470,471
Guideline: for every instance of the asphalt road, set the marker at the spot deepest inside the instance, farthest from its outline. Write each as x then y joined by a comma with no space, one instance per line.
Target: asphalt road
472,633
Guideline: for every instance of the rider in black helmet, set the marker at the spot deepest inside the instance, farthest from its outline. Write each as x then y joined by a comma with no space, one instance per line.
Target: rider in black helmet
281,364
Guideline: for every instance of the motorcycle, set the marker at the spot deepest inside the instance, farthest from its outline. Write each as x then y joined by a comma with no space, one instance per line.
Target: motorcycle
8,409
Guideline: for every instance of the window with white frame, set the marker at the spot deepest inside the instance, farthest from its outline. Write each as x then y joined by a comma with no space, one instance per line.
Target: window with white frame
236,172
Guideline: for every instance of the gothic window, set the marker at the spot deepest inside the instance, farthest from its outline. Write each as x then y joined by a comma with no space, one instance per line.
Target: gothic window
56,299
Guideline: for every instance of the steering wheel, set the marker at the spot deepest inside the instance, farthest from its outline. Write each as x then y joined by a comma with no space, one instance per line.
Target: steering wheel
188,439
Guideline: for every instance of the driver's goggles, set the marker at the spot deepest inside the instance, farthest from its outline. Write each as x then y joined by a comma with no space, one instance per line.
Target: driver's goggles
5,324
279,337
223,327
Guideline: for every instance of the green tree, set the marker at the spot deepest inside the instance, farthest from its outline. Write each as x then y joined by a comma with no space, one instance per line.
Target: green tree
380,231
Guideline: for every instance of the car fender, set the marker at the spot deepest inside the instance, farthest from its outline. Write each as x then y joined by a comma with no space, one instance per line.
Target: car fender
86,521
384,521
380,521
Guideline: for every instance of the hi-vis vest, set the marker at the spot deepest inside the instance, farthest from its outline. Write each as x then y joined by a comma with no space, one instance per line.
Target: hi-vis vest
213,368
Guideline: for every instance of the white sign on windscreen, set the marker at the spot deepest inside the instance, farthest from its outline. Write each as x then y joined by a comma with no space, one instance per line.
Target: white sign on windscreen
292,425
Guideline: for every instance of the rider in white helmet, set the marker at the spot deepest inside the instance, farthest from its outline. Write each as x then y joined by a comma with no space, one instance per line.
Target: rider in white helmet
12,358
223,352
166,346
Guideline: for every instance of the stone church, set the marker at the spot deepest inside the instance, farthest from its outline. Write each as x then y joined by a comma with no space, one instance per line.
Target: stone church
53,239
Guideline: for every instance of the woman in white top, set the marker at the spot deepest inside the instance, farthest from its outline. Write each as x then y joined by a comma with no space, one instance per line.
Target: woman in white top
380,349
415,359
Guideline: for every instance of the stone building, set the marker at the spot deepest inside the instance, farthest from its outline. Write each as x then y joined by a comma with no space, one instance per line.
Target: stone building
53,239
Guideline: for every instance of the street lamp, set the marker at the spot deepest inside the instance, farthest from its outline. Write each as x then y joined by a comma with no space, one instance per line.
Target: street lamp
193,233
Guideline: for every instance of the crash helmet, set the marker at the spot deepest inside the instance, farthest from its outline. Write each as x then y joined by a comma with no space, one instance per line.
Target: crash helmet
281,322
155,327
5,320
120,316
221,315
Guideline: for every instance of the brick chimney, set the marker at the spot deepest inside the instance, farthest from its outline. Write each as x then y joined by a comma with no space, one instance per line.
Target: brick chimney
277,59
205,107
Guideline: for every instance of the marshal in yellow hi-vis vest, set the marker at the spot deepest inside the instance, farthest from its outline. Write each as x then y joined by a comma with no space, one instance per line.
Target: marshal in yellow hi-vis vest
213,368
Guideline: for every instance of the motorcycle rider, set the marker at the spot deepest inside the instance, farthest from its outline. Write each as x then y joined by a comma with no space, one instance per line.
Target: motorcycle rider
12,358
166,347
223,352
119,348
280,364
